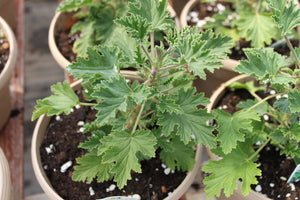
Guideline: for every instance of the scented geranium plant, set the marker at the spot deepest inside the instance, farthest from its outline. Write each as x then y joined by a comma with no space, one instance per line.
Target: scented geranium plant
240,134
250,20
95,21
162,113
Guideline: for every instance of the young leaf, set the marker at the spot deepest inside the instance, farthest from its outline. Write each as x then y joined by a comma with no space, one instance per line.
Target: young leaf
264,64
249,85
120,149
87,38
285,14
190,121
259,28
230,127
176,154
72,5
227,171
93,141
101,61
91,166
260,109
62,100
115,95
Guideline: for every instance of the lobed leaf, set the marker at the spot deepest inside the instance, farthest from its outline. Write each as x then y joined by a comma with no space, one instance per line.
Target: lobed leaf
62,100
72,5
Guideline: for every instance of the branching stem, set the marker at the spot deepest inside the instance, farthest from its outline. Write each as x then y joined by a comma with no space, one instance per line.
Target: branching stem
257,151
138,118
263,100
87,104
147,54
169,67
292,50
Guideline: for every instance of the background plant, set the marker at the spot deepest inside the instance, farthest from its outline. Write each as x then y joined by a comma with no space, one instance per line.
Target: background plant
95,21
248,19
135,119
239,133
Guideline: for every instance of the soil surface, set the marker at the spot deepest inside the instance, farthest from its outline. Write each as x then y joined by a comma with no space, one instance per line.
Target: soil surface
276,169
4,52
64,41
60,146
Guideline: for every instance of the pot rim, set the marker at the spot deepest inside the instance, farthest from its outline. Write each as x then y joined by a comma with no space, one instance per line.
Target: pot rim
13,51
44,120
5,182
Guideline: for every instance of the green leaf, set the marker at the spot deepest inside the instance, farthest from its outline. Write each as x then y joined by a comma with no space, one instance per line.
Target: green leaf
121,148
166,104
91,166
283,105
72,5
86,37
249,85
264,64
285,14
115,95
102,61
191,121
227,171
176,154
231,127
259,28
93,141
62,100
293,99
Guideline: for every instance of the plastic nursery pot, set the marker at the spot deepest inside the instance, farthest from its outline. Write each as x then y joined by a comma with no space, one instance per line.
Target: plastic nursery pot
5,182
214,99
8,12
5,75
37,139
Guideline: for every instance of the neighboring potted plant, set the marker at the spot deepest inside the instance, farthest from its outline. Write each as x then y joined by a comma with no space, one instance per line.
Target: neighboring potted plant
89,23
8,48
259,122
159,113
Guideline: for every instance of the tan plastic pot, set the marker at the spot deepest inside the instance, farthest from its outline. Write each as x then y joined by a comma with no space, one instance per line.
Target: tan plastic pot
217,95
37,139
5,182
5,99
8,12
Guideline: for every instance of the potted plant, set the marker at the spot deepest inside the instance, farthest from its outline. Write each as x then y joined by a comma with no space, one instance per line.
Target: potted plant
5,183
93,19
161,113
8,48
271,119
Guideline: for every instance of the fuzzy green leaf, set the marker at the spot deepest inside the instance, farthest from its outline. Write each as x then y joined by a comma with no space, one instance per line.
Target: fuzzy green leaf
191,121
259,28
72,5
176,154
93,141
226,172
264,64
102,61
121,148
91,166
283,105
86,39
62,100
293,99
231,127
249,85
166,104
115,95
260,109
285,14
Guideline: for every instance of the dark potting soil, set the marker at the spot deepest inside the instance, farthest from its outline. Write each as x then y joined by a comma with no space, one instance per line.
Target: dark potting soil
4,52
60,146
276,169
65,41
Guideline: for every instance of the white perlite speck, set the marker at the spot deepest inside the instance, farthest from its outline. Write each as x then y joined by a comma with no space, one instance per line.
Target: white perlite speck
283,178
81,130
80,123
112,187
288,195
92,192
77,106
266,117
58,118
164,166
272,184
272,92
293,188
49,149
167,171
150,185
258,188
71,110
65,166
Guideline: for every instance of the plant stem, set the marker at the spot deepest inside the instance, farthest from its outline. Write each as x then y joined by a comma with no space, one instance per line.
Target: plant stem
152,43
87,104
257,151
292,50
138,118
169,67
147,54
263,100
